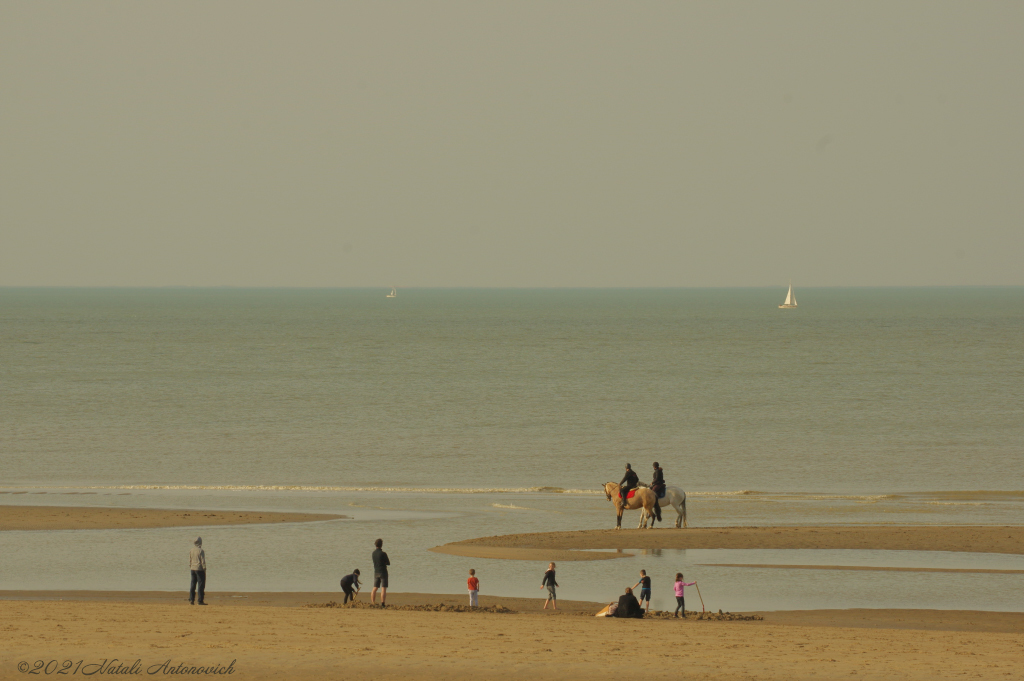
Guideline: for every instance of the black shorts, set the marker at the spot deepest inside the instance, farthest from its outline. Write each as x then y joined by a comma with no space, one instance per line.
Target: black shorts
645,595
380,579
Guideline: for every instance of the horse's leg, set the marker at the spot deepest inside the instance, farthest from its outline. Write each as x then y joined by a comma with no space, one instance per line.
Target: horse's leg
618,519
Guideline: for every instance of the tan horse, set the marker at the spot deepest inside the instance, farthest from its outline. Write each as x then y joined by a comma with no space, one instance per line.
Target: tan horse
644,499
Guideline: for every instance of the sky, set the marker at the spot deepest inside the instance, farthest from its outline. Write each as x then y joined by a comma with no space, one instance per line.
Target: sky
511,144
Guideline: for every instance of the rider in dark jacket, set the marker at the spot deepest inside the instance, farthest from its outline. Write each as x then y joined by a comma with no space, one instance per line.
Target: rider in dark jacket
658,487
628,482
658,483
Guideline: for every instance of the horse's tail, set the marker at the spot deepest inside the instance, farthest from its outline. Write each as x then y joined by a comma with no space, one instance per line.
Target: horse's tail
684,509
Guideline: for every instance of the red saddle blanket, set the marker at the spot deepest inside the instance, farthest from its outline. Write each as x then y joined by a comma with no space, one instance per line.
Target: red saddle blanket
631,493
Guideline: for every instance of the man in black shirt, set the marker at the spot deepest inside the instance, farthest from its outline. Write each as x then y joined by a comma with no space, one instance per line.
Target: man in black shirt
628,482
347,583
380,574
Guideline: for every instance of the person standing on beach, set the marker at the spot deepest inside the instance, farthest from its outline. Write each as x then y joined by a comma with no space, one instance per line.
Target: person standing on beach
474,588
380,574
347,582
645,589
197,564
678,587
550,583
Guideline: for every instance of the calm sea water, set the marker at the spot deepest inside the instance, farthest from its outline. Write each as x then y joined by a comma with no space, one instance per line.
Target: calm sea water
861,405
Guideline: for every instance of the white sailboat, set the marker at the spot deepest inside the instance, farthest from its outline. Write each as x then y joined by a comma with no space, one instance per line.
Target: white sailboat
393,294
790,298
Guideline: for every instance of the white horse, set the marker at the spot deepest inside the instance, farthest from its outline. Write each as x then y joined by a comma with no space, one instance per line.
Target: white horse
676,498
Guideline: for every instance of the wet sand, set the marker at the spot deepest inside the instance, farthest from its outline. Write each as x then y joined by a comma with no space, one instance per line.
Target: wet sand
977,538
98,518
280,639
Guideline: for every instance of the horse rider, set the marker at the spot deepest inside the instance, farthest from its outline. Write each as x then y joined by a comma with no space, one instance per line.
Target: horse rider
658,483
629,481
658,487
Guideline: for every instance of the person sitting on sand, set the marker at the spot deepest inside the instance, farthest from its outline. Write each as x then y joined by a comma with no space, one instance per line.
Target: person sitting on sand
645,589
197,564
349,581
629,481
678,588
474,588
380,574
550,583
628,606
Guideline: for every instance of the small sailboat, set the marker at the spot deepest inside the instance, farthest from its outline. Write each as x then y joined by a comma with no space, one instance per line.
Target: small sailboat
393,294
790,298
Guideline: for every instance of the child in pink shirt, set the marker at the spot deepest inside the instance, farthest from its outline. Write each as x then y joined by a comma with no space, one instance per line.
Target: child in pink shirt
678,586
474,588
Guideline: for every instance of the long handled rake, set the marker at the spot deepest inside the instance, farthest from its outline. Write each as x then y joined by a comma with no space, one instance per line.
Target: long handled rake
700,597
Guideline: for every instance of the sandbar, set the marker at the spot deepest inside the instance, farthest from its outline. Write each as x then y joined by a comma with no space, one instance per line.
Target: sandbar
100,518
872,568
970,538
265,641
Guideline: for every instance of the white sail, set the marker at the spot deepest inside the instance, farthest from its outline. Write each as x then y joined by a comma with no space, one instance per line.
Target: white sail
790,298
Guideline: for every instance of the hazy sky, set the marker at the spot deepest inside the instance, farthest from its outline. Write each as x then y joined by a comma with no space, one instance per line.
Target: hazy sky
511,144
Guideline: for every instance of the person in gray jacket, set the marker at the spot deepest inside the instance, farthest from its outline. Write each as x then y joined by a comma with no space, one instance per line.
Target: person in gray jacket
197,563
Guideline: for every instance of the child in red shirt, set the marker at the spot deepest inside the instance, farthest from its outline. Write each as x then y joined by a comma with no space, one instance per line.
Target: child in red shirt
474,588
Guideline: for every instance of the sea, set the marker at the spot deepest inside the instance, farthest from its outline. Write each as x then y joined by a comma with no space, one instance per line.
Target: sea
444,414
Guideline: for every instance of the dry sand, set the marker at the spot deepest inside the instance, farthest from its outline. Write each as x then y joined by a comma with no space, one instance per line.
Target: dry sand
281,640
98,518
976,538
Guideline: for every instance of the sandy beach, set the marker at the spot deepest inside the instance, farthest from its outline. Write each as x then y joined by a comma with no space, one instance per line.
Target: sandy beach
268,636
570,545
97,518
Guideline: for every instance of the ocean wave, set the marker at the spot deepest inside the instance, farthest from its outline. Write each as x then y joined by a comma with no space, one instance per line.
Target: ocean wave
738,493
975,495
850,497
518,508
933,498
340,488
